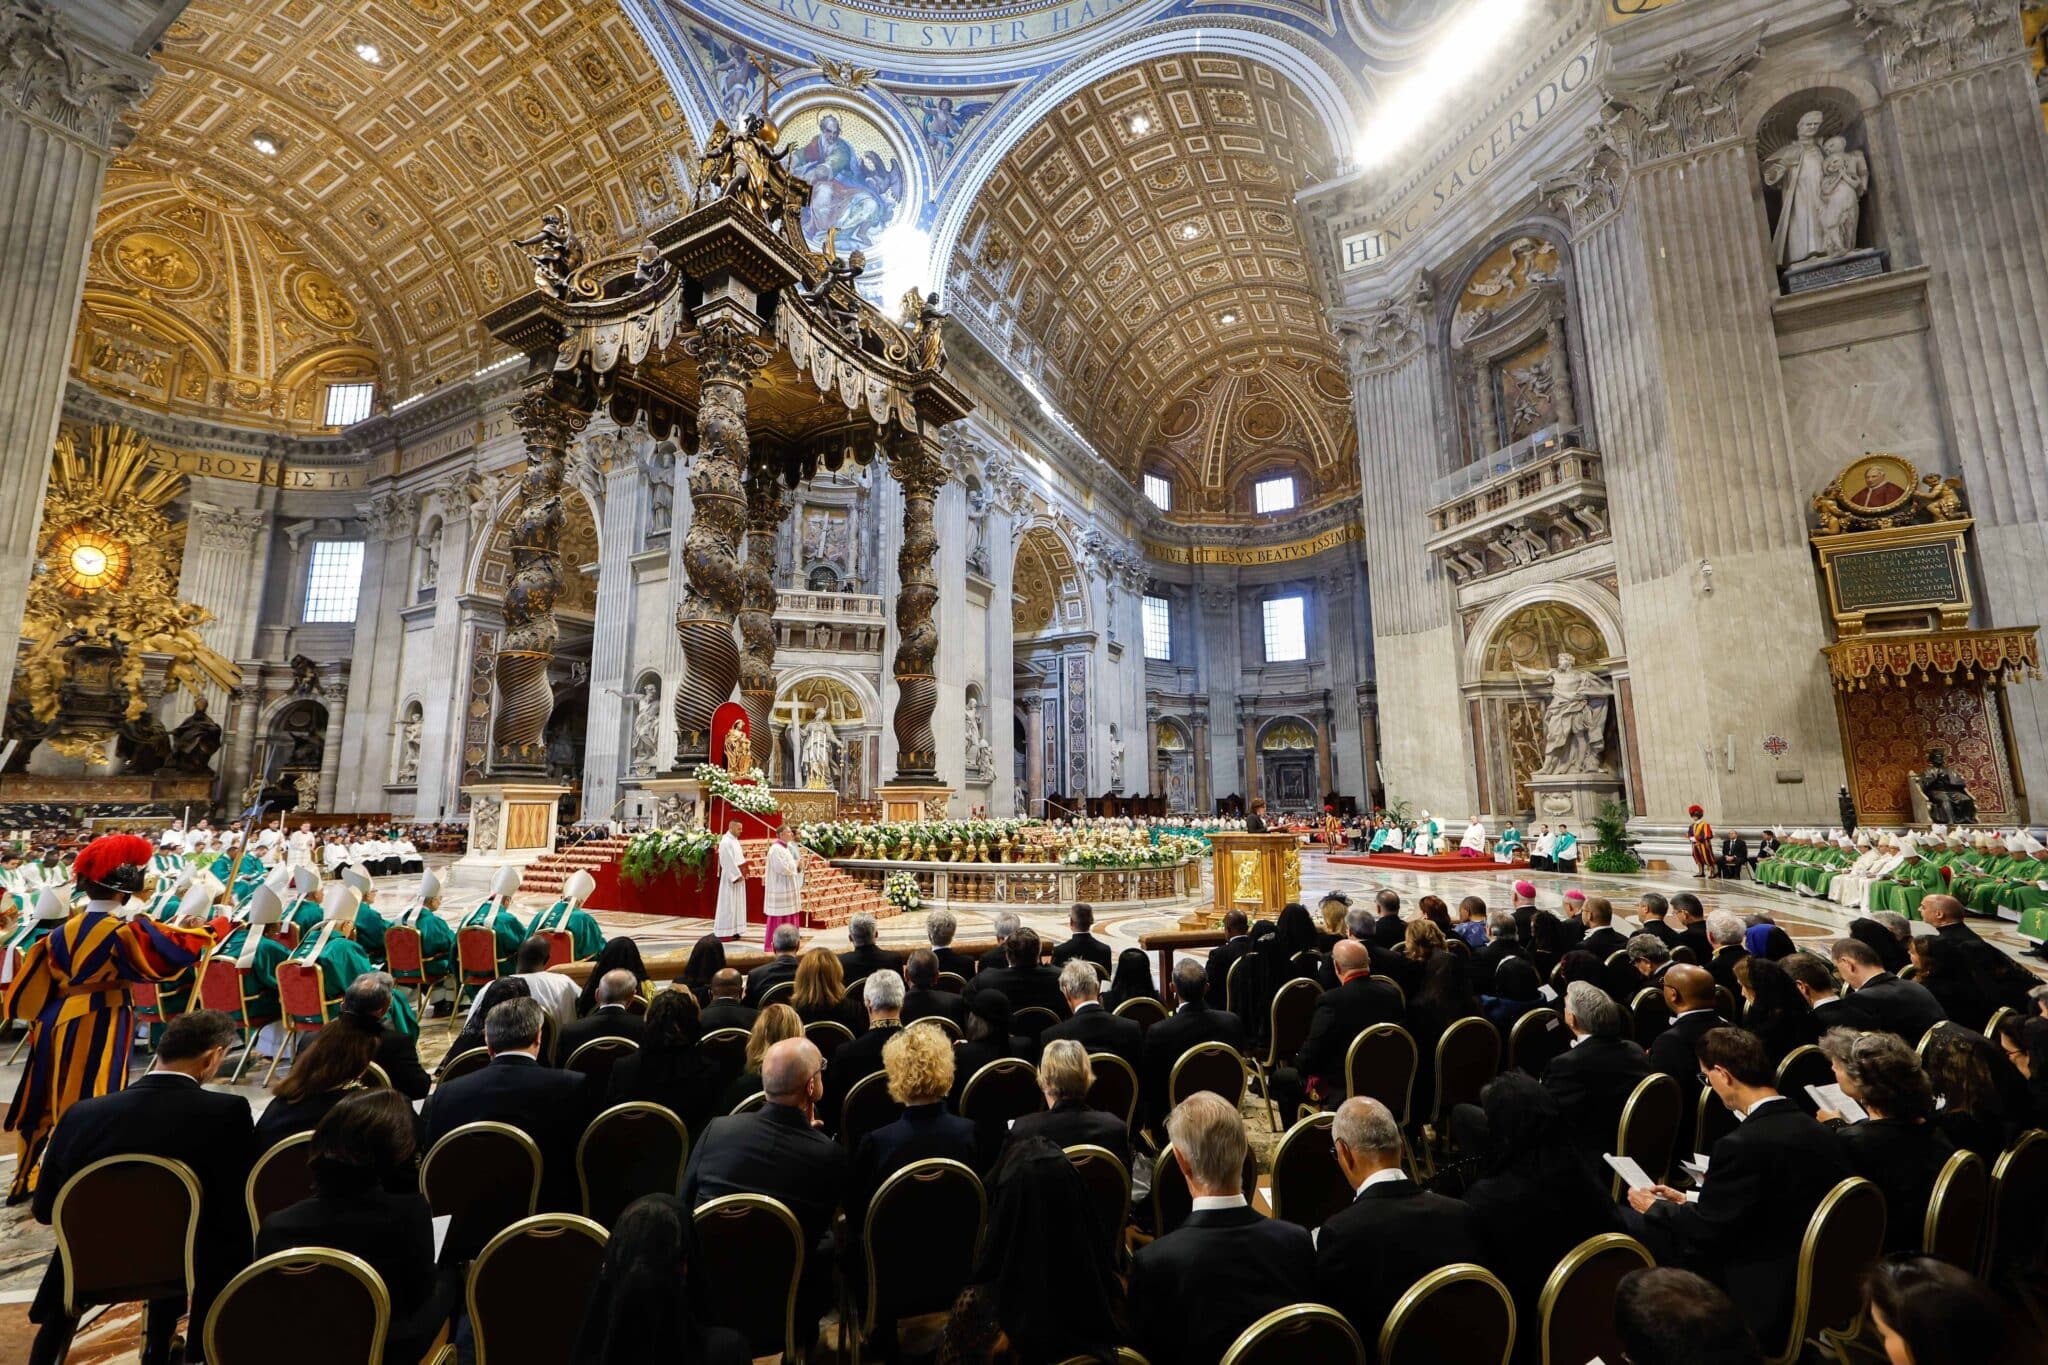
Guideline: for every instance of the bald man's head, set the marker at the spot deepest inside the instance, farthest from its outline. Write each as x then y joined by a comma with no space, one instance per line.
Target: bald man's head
1349,958
727,984
788,1070
1940,911
1692,986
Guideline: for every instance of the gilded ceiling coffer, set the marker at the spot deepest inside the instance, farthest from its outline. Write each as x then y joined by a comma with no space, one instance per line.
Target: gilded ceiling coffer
525,696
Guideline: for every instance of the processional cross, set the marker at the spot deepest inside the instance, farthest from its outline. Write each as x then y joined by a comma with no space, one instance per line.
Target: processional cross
769,85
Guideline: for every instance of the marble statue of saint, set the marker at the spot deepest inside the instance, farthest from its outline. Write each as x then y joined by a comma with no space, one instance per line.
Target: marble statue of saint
646,727
194,742
1574,720
1797,171
409,750
430,561
1844,177
483,825
978,758
1116,760
814,752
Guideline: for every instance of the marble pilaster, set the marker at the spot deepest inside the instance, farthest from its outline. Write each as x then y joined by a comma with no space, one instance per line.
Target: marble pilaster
391,521
611,646
334,696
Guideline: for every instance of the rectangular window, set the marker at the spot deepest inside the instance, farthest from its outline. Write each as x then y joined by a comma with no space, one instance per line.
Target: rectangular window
1274,495
333,580
1286,631
1158,629
1160,491
348,404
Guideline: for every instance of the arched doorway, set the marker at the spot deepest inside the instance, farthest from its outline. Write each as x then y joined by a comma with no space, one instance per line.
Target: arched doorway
298,744
1173,766
1287,766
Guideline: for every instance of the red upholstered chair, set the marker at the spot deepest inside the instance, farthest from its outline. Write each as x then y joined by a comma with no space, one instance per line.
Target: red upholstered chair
146,1002
301,990
476,956
561,948
408,964
223,987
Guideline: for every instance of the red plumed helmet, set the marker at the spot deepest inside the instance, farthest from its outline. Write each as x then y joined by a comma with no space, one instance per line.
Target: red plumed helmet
1695,812
114,861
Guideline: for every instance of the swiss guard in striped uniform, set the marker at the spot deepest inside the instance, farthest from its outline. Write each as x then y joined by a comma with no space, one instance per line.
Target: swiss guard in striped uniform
72,988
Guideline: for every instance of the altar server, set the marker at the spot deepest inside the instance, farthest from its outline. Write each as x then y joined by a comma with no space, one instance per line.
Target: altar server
1509,846
586,940
782,885
732,885
72,990
1540,850
1564,851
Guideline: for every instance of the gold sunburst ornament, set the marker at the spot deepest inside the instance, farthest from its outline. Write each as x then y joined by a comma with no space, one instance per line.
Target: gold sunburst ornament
107,575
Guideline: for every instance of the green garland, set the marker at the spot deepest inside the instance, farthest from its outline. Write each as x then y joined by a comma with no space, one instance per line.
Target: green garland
839,838
1170,850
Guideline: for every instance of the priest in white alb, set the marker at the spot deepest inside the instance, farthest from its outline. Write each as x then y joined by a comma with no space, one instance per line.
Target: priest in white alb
732,886
782,885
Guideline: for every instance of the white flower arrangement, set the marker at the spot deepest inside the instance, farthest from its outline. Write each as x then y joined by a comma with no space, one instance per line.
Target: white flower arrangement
900,890
753,796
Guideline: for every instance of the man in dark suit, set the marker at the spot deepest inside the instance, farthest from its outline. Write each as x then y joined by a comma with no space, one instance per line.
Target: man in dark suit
1571,930
1906,1008
939,928
1255,818
1692,926
164,1113
1502,943
1817,988
1768,1175
1689,994
1724,931
1004,923
923,997
1602,939
1359,1002
1083,944
1068,1120
610,1019
1651,908
1394,1231
864,956
1999,978
1193,1022
1092,1026
1387,927
1734,859
547,1105
1024,981
1195,1289
1237,941
775,1151
778,969
882,993
368,1001
1593,1078
725,1009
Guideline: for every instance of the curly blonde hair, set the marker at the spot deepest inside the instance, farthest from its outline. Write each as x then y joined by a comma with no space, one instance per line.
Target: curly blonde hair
1422,939
919,1063
777,1023
820,982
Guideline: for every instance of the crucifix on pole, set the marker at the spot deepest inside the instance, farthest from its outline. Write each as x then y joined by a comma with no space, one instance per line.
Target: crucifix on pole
769,85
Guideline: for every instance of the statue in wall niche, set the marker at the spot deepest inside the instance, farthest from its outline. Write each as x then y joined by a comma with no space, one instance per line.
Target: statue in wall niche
1948,797
409,751
646,728
979,759
1116,758
1575,718
814,748
1821,184
977,520
195,742
430,560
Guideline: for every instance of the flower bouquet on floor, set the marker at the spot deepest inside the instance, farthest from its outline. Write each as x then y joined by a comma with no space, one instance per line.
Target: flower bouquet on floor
900,889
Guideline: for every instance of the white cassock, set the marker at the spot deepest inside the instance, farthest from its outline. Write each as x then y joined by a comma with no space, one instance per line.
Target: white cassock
1475,837
732,887
301,845
782,883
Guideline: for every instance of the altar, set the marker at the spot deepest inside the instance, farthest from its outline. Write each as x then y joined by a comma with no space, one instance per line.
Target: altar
1259,874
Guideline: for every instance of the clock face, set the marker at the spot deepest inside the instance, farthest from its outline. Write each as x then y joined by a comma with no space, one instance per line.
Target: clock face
88,560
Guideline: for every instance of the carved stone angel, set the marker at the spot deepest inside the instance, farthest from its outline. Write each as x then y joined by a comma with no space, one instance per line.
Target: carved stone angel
922,314
556,252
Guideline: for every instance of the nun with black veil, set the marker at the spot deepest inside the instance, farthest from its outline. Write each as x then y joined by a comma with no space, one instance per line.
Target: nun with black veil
1881,941
1275,959
619,954
1043,1290
646,1306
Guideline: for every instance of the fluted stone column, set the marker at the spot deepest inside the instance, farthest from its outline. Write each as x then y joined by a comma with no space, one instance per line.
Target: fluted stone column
1676,291
1034,756
1395,394
391,521
466,510
1960,94
66,89
225,550
334,696
728,356
614,461
241,752
919,473
765,511
525,696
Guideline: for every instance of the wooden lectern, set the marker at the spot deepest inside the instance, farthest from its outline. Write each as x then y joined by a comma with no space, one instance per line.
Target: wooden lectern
1255,873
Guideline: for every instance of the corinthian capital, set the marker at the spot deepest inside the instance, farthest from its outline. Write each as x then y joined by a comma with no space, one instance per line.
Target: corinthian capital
917,464
1924,40
546,422
51,74
726,352
1387,333
232,530
1684,103
1588,192
391,516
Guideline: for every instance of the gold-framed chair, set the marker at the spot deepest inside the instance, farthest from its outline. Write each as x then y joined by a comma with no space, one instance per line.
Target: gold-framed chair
562,1251
1309,1187
1299,1332
750,1261
155,1200
1216,1067
1380,1064
462,1064
1651,1014
1803,1066
2019,1197
728,1048
339,1300
1575,1311
1711,1121
1998,1016
1958,1207
224,986
1172,1201
629,1150
951,982
867,1106
828,1036
1467,1057
1142,1008
374,1077
486,1176
1234,989
1648,1129
1115,1087
597,1057
280,1178
1002,1090
1031,1021
1124,1356
1534,1039
1109,1188
757,1100
1457,1312
781,993
920,1236
1843,1240
1293,1008
953,1031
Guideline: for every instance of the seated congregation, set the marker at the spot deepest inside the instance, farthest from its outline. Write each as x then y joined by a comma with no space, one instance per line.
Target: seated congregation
1038,1156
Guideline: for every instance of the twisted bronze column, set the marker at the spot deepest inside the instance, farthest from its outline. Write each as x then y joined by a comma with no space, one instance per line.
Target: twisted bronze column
728,356
919,473
525,696
765,509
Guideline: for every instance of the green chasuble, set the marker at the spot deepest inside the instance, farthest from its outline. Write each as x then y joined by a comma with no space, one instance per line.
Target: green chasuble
239,874
510,933
370,933
586,940
1905,889
341,962
437,940
304,916
259,981
1567,846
